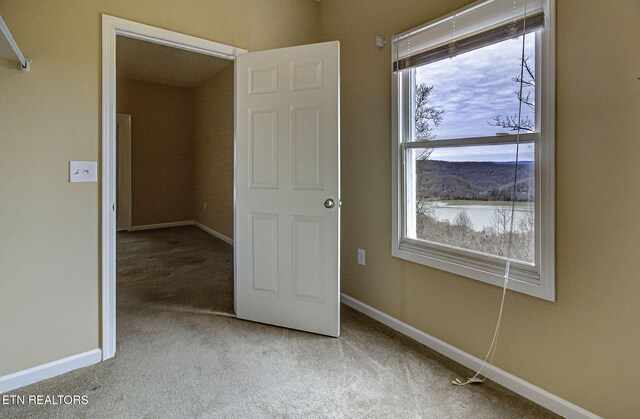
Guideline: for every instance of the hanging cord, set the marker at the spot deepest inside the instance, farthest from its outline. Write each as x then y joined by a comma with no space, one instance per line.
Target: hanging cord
488,359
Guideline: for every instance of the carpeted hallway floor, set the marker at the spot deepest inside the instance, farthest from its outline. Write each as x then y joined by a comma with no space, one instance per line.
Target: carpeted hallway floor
177,358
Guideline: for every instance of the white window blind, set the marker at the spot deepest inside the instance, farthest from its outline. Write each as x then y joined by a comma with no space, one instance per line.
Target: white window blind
482,23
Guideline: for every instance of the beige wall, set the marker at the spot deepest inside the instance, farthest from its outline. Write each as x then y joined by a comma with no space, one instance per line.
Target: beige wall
161,150
182,151
585,346
49,228
213,152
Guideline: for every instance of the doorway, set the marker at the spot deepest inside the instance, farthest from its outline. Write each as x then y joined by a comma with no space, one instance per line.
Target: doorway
115,29
174,207
286,180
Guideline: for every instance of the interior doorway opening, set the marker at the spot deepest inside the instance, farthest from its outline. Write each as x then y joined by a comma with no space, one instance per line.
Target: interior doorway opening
174,181
286,196
167,86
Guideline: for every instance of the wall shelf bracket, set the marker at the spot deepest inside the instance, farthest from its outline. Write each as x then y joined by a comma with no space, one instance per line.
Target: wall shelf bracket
9,48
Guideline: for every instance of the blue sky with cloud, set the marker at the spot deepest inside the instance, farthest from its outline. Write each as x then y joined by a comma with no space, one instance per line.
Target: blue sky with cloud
473,88
496,153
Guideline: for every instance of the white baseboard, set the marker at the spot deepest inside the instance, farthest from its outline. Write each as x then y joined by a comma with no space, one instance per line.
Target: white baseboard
48,370
505,379
184,223
213,232
161,225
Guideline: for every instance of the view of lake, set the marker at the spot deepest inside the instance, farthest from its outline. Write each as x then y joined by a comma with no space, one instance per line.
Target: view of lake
480,212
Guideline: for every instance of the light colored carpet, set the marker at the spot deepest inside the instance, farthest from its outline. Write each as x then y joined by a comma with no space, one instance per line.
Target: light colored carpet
175,359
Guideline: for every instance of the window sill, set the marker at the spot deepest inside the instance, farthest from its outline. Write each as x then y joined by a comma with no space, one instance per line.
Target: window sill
523,278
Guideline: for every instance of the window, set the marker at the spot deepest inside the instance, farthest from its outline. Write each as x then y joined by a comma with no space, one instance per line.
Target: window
474,98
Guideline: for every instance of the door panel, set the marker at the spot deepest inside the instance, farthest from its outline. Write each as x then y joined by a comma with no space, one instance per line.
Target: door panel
306,75
308,253
263,269
263,148
306,147
287,165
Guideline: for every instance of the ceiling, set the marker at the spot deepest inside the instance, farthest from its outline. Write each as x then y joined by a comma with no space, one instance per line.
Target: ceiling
154,63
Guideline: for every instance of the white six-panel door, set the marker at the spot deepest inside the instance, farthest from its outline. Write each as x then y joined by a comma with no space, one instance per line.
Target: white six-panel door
287,166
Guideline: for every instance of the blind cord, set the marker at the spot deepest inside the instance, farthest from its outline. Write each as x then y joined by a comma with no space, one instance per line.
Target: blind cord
488,359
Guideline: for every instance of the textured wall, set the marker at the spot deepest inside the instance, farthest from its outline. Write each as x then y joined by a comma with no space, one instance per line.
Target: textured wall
161,150
584,347
49,228
213,152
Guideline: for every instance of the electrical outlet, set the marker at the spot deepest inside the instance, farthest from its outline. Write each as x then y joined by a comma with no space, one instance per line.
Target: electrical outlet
361,257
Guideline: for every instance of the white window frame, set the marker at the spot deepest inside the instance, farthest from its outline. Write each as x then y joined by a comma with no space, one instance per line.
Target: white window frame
536,279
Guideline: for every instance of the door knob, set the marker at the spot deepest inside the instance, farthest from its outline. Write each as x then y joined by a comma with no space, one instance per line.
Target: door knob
329,203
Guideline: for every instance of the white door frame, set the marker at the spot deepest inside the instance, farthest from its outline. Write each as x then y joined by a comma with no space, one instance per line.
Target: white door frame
123,166
111,27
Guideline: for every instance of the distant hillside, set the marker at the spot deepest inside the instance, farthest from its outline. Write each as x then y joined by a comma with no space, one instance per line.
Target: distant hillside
480,181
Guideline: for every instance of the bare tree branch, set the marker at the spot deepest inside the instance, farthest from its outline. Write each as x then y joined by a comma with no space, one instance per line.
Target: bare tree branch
511,122
529,78
426,118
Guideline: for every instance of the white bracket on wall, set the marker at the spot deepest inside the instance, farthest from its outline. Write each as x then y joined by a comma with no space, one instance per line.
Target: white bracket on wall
9,48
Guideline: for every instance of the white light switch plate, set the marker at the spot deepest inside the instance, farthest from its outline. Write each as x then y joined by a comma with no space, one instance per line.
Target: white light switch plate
361,257
83,171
